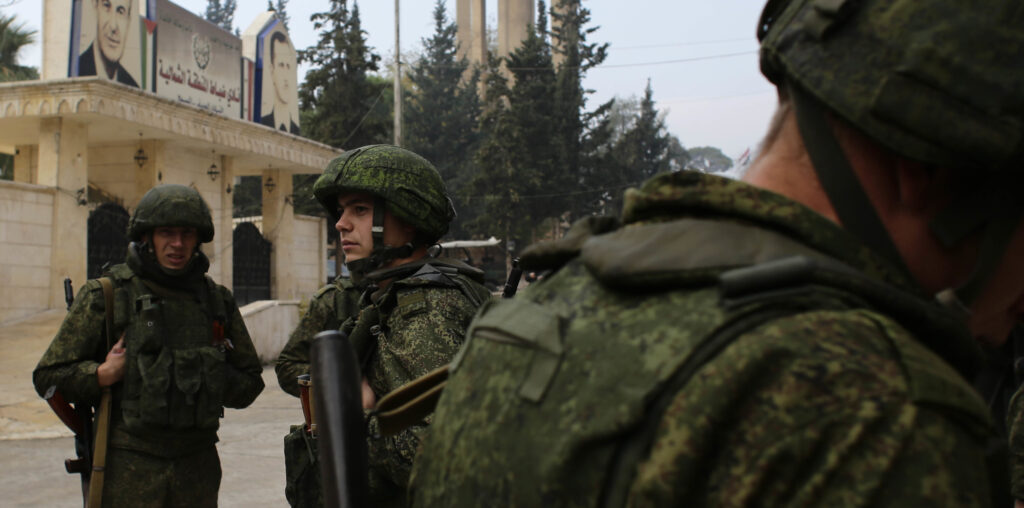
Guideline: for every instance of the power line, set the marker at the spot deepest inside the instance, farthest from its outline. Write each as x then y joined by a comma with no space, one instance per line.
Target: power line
681,44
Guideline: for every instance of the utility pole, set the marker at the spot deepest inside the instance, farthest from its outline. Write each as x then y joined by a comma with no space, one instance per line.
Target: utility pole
398,83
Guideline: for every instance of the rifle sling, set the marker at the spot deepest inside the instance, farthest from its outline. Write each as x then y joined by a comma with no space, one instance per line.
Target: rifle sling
99,457
410,404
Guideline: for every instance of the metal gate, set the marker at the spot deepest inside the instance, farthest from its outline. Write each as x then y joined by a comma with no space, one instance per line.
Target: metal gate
107,238
251,264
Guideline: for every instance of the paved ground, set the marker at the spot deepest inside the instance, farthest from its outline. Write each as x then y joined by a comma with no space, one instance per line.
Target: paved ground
34,444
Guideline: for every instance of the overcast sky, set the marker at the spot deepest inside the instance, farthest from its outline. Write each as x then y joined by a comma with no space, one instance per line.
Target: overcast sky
700,55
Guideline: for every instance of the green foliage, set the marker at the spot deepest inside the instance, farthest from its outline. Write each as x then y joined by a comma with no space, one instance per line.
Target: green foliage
303,200
221,14
279,8
13,37
441,113
247,197
708,159
643,149
339,98
499,185
579,135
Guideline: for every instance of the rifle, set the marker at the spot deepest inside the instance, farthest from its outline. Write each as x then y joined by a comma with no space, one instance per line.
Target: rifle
77,417
340,423
512,284
91,455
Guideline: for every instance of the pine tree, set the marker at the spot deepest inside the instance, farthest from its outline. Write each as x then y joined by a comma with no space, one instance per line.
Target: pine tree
338,97
644,149
498,188
279,9
581,135
442,111
531,104
221,14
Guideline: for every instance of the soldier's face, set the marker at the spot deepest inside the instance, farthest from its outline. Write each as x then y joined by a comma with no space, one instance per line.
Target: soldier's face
112,18
174,246
356,226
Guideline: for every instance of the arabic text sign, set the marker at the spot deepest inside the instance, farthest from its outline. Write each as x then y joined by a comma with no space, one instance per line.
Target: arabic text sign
197,62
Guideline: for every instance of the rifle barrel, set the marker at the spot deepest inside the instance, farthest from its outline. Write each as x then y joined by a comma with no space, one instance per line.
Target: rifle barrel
340,423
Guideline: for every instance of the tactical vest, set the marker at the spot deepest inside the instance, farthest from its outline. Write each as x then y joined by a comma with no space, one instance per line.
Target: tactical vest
378,305
601,378
175,355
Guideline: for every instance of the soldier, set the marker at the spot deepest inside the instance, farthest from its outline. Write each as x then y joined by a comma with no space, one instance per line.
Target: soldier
331,306
183,355
801,338
390,205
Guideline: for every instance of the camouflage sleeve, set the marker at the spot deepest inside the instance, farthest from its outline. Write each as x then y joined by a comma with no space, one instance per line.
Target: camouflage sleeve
425,333
801,413
76,351
294,358
244,372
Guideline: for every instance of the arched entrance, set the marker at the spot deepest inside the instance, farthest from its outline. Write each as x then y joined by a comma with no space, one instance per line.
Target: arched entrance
250,264
107,238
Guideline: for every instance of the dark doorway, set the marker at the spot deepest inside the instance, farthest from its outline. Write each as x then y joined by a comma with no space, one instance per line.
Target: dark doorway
107,240
251,264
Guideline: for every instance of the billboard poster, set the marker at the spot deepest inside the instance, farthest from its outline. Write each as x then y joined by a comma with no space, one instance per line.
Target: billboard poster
277,76
107,40
197,62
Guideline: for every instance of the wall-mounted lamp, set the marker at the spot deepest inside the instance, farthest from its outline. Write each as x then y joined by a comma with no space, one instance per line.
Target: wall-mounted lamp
213,171
141,157
140,154
269,185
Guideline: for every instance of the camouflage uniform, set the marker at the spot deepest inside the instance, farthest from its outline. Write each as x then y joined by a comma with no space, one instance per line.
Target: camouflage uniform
412,316
420,319
827,392
331,306
178,375
328,309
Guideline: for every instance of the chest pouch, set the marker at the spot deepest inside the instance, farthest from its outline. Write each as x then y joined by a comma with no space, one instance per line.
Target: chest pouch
175,375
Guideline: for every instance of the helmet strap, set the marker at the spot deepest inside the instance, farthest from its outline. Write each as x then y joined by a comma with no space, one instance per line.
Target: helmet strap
838,180
991,209
380,254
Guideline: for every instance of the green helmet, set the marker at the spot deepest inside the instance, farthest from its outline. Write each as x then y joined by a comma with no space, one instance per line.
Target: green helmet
171,205
941,82
410,186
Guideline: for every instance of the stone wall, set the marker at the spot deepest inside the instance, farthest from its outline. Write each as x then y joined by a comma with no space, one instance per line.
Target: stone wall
269,323
309,247
26,221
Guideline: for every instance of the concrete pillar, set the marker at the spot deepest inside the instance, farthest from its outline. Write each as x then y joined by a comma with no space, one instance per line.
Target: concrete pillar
25,157
63,164
225,228
514,20
471,34
279,229
146,176
56,35
560,6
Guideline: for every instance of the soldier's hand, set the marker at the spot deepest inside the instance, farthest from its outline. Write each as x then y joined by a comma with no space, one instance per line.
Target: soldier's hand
369,399
112,369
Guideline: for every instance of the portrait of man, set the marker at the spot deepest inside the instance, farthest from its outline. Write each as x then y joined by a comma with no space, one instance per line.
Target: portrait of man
279,101
114,30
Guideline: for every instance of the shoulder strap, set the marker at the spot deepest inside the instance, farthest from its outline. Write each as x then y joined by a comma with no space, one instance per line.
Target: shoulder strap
108,306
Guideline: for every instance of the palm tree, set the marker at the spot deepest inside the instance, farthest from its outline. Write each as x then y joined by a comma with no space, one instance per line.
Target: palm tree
13,37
